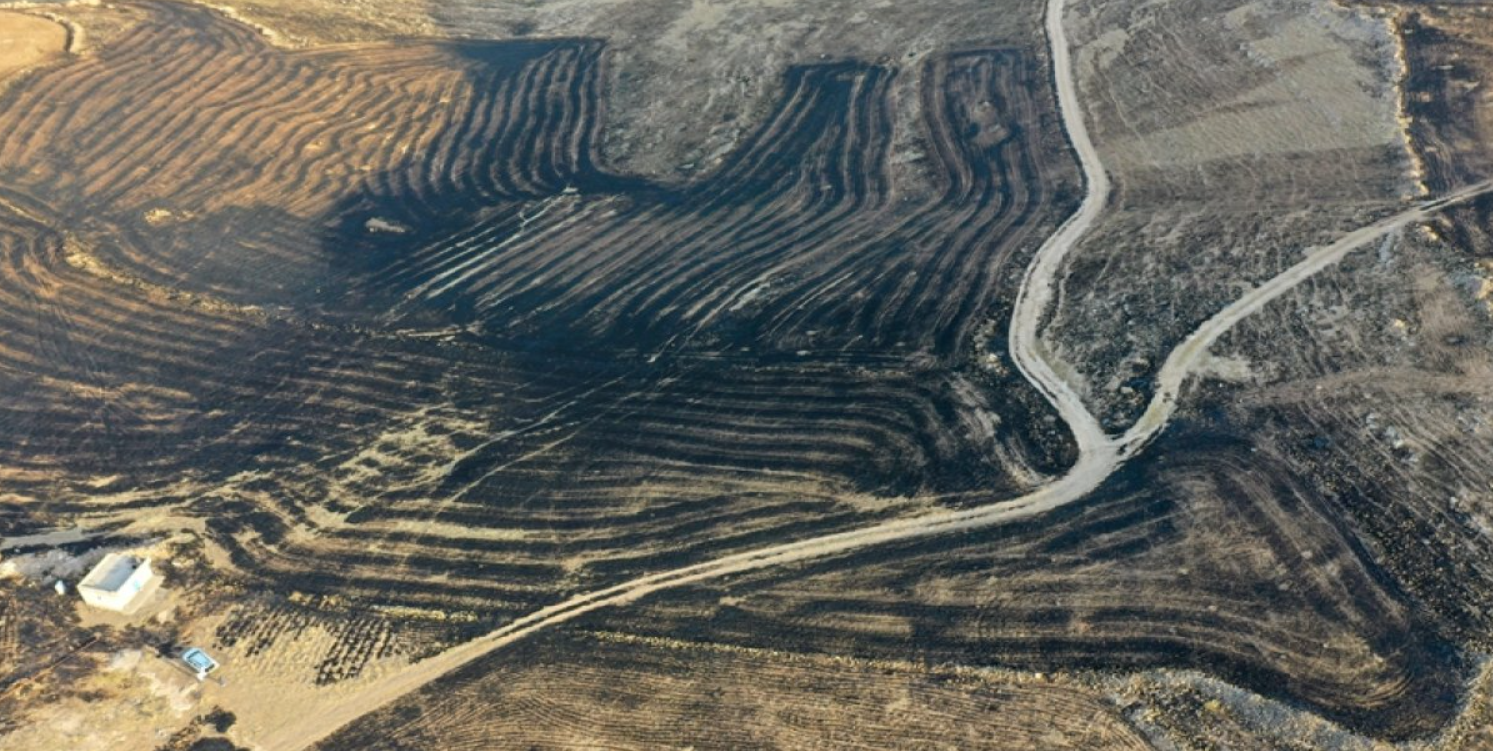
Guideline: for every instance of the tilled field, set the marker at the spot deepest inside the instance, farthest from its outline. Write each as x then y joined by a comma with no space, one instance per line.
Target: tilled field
1214,558
380,317
1386,407
610,691
383,332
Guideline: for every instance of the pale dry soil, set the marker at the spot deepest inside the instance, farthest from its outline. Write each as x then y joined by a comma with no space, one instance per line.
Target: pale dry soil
27,41
148,697
1236,133
690,78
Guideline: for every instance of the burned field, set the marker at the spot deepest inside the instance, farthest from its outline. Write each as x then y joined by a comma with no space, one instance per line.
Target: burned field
492,334
1222,555
620,691
1191,561
380,325
386,344
1448,53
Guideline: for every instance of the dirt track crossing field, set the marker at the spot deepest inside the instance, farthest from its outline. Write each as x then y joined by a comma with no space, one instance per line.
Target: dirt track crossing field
1099,454
755,418
436,358
380,324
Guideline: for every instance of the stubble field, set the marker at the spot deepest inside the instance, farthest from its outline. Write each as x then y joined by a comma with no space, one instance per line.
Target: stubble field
399,334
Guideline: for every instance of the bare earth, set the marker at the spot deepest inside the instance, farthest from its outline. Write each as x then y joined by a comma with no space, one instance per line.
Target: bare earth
450,434
1100,455
27,41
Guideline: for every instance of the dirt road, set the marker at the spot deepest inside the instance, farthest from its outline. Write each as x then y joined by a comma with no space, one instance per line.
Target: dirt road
1034,298
1099,453
1187,356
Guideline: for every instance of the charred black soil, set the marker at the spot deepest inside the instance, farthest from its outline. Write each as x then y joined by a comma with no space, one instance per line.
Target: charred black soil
385,328
381,316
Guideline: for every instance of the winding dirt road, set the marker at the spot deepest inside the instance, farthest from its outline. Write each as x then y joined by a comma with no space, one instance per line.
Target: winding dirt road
1187,356
1099,454
1034,298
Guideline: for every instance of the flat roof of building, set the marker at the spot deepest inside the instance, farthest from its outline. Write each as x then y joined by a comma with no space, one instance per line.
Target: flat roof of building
112,572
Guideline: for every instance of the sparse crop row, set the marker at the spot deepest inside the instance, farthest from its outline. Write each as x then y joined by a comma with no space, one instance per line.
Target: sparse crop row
219,288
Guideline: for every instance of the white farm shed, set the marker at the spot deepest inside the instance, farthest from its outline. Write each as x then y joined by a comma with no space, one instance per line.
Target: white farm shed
119,582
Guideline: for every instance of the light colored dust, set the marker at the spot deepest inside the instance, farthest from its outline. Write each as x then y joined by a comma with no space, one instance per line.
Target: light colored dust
133,704
27,41
703,15
1328,99
414,450
1227,368
270,688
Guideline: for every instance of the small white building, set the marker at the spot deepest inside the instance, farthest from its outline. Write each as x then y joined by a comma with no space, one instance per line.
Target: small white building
119,582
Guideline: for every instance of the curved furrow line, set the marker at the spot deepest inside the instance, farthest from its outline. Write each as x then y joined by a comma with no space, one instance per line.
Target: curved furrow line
423,182
483,144
125,136
623,350
157,84
793,95
855,194
737,238
956,231
520,135
1099,455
